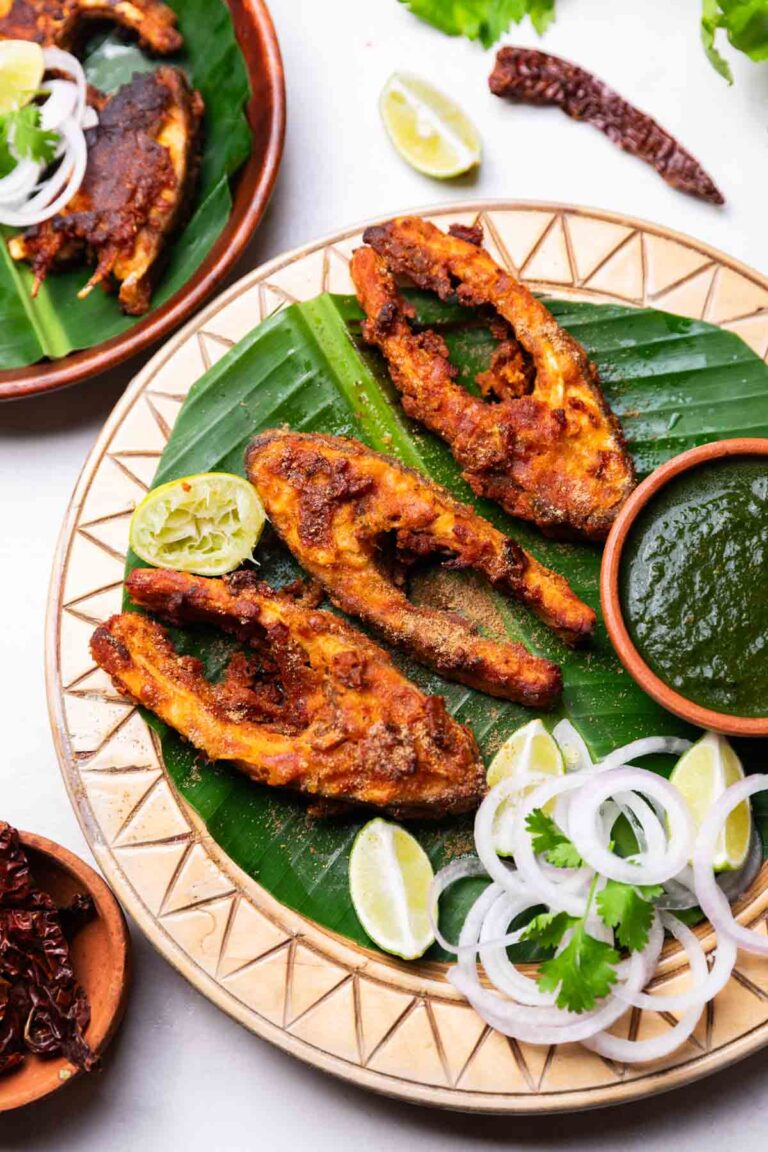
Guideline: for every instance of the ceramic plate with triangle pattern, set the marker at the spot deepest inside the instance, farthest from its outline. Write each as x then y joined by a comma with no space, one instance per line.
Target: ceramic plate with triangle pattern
396,1028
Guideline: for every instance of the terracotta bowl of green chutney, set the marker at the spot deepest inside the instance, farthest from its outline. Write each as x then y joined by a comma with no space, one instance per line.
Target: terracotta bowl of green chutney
684,586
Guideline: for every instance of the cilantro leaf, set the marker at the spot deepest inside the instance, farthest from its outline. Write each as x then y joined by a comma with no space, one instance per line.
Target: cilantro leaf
548,928
745,23
582,973
483,20
549,841
627,908
30,141
7,158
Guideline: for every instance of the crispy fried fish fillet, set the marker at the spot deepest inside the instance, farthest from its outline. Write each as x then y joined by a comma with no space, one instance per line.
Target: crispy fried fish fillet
143,160
344,726
62,22
337,505
550,450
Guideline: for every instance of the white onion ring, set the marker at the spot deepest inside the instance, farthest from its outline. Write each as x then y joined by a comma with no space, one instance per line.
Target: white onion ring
484,838
713,901
583,826
655,1047
457,870
75,159
558,896
501,971
647,746
56,60
22,204
19,182
706,982
645,824
575,752
531,1025
60,105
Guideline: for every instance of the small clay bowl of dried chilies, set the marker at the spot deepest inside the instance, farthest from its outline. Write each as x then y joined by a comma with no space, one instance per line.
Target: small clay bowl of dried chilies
64,967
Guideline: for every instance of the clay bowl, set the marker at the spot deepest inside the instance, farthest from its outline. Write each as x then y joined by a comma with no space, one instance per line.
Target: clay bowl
100,955
611,601
251,191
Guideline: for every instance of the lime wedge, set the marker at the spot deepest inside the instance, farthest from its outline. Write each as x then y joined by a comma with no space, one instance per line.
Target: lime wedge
427,128
390,877
21,73
208,524
529,749
701,775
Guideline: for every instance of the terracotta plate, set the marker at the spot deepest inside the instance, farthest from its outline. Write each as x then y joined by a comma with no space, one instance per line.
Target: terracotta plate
251,191
393,1027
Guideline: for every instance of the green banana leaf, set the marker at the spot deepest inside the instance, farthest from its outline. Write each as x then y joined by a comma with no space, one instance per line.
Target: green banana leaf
675,383
57,323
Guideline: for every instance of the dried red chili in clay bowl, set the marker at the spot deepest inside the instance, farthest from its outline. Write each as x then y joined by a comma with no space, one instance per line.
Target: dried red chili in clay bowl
100,957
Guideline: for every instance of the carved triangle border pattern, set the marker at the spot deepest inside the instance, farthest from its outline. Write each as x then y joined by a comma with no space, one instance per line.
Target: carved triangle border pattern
395,1028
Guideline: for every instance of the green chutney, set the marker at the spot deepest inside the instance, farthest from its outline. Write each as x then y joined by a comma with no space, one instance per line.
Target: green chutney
694,585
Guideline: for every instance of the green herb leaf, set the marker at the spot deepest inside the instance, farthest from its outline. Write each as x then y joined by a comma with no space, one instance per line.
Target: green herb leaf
627,908
483,20
582,973
7,159
549,841
745,22
548,928
30,140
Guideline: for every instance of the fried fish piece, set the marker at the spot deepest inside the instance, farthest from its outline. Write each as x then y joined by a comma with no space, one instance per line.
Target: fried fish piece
337,505
62,23
549,449
143,160
319,708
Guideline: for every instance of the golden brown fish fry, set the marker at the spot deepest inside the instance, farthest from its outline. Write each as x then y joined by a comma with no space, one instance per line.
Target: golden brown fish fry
338,505
143,160
550,450
318,708
61,23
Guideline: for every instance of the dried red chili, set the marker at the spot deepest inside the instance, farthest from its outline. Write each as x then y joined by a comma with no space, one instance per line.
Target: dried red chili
42,1007
534,77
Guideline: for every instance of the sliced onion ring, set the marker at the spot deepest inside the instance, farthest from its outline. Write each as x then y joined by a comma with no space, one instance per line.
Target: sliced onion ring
655,1047
559,896
461,869
575,752
713,901
503,974
706,982
583,826
647,746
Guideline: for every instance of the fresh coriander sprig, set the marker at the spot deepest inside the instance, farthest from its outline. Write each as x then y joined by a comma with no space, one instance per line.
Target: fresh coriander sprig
550,842
584,971
23,138
628,909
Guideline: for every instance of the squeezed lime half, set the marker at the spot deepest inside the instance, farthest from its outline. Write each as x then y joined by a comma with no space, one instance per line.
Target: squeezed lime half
208,524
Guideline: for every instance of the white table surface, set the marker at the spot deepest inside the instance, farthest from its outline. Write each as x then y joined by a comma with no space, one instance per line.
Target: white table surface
182,1074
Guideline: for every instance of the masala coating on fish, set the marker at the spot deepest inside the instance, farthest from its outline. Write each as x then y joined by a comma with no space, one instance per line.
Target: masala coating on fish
143,161
64,23
312,705
342,509
546,446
